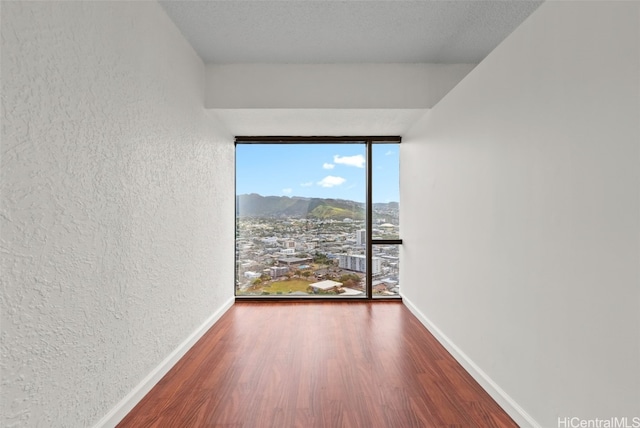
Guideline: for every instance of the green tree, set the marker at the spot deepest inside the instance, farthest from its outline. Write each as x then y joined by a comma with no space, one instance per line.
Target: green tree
321,259
351,277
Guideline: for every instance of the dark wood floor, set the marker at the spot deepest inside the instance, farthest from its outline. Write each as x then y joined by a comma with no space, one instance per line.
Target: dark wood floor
319,364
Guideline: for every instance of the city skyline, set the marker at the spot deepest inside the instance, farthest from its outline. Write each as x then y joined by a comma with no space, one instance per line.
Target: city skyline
288,257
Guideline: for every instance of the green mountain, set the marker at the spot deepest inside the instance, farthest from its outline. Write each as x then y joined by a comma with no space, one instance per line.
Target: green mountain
254,205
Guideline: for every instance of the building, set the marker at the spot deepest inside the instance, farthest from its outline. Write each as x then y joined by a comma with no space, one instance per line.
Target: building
270,242
326,285
358,263
361,237
519,188
251,275
293,261
277,271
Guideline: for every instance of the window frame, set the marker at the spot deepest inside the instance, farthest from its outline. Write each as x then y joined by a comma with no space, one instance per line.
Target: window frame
368,141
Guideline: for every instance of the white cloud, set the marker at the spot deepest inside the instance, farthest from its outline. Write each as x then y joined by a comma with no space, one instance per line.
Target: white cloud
328,166
356,160
307,184
287,191
390,153
331,181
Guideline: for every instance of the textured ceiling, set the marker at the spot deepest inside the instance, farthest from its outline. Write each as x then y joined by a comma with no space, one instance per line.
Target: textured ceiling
353,31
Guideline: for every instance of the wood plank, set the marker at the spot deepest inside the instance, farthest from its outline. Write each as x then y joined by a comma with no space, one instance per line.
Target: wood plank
317,364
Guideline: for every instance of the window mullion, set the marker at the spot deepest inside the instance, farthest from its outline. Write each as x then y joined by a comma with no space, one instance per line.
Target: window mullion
369,221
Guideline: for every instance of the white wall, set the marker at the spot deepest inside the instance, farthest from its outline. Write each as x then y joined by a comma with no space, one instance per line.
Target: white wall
330,86
311,121
117,205
521,192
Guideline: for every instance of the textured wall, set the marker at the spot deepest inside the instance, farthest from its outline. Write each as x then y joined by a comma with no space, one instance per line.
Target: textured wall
117,205
521,190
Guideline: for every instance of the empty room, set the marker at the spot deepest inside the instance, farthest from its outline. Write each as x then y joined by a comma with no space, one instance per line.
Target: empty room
320,213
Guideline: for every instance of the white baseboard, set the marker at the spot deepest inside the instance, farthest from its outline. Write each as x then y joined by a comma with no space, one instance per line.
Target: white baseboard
509,405
118,413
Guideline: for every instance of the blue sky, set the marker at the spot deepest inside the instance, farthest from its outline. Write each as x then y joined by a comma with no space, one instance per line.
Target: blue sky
317,170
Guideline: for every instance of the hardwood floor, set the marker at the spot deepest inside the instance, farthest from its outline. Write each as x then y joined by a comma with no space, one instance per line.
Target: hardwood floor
319,364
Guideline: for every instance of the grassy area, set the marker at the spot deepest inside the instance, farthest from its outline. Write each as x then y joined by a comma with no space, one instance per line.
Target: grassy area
286,287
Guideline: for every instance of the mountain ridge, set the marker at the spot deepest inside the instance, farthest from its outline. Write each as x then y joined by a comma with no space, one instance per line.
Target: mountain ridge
255,205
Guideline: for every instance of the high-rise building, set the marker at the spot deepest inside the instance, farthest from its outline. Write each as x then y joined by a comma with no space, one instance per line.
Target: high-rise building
361,237
358,263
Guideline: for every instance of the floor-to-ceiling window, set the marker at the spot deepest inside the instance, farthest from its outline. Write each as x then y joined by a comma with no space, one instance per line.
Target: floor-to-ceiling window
385,219
317,217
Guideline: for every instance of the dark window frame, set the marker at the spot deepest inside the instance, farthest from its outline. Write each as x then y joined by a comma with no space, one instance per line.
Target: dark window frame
368,141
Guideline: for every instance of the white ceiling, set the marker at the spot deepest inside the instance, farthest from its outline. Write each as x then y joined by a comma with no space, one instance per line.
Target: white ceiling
352,31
